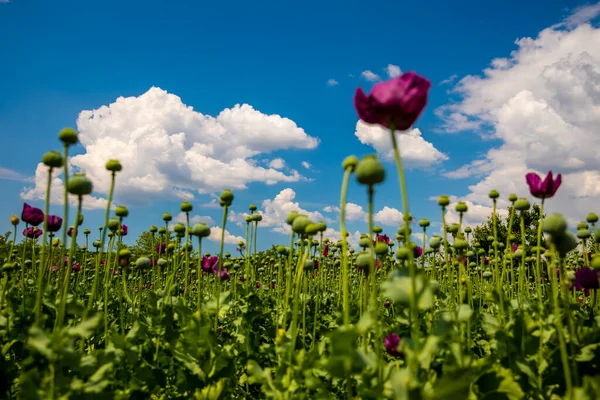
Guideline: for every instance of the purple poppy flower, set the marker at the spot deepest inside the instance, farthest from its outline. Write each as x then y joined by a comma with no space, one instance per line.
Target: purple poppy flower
115,272
515,247
76,267
224,274
124,229
210,264
160,248
395,103
182,289
54,223
543,189
485,261
219,330
387,304
418,251
70,231
54,268
32,233
257,285
391,342
31,215
587,278
383,238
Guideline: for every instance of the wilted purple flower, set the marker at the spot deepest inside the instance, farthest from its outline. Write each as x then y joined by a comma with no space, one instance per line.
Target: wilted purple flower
515,247
257,285
587,278
70,231
76,267
383,238
124,229
115,272
241,248
543,189
54,223
387,304
219,330
418,251
54,268
224,274
392,341
32,233
395,103
210,264
485,261
31,215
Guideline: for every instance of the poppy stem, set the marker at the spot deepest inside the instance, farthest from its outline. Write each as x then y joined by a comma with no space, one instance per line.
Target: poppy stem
346,299
41,269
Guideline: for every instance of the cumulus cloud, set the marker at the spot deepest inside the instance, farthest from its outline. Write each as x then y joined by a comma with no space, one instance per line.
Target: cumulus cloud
278,163
170,150
332,82
393,70
305,164
542,103
215,236
415,151
195,219
370,76
388,216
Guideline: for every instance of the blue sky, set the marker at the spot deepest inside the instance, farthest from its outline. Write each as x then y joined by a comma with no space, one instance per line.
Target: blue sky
60,58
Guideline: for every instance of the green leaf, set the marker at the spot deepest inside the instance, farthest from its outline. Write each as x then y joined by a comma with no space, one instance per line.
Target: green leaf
85,328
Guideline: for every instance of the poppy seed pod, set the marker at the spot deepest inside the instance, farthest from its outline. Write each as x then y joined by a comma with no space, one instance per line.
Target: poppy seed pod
113,166
121,211
493,194
252,207
258,217
68,136
582,225
350,163
321,226
179,228
113,224
311,229
79,185
282,250
300,223
52,159
583,234
226,197
424,223
143,263
186,207
377,229
167,217
512,197
435,242
370,171
592,218
291,217
461,207
309,265
162,230
564,243
201,230
381,248
555,225
403,253
443,201
86,231
364,242
522,204
153,229
363,260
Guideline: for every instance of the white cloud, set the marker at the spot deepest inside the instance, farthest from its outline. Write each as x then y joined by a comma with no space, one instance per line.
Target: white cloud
388,216
331,209
215,236
169,150
414,150
38,191
195,219
450,80
580,15
332,82
393,70
11,175
305,164
543,104
354,212
277,163
370,76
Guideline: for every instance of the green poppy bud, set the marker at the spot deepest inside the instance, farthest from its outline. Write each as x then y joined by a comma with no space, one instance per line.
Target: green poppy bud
124,253
494,194
444,201
226,197
364,242
52,159
460,244
487,274
162,262
321,226
167,217
363,260
350,163
512,197
97,244
79,185
555,225
309,265
370,171
68,136
565,243
596,262
424,223
258,217
453,229
282,250
522,204
597,237
435,242
403,253
582,225
470,254
252,207
468,229
79,220
86,231
113,166
377,229
291,217
186,207
311,229
401,230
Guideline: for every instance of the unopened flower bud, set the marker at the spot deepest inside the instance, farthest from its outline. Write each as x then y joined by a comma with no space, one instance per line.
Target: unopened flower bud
52,159
79,185
68,136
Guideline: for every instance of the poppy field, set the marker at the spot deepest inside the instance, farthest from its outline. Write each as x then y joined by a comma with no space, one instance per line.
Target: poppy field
505,310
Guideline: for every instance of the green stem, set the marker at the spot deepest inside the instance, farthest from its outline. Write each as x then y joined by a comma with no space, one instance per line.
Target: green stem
41,269
345,289
218,277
